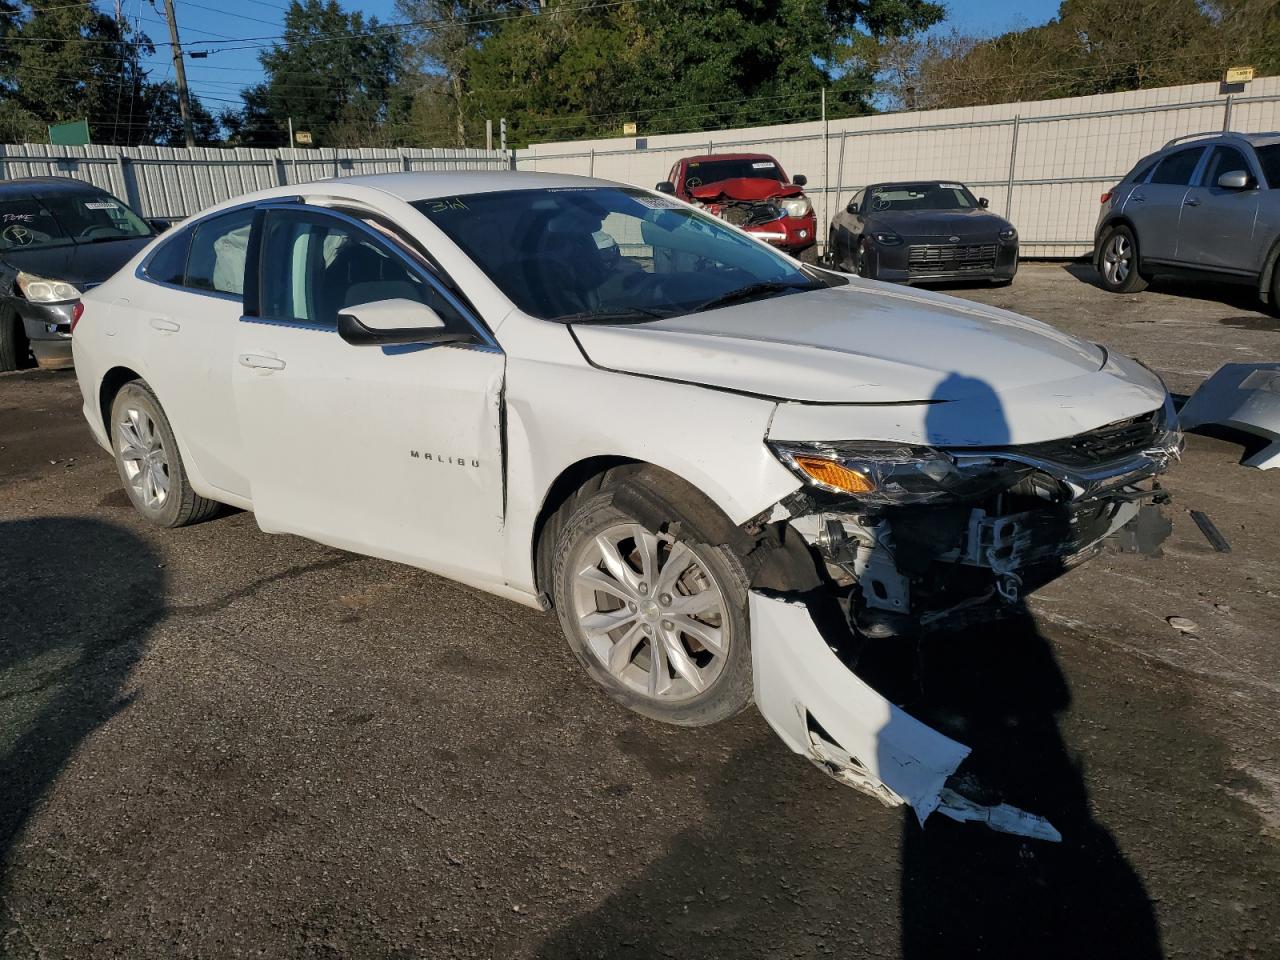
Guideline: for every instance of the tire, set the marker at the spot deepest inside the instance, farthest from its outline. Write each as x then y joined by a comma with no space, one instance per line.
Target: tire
833,253
635,616
14,348
861,267
1119,263
149,463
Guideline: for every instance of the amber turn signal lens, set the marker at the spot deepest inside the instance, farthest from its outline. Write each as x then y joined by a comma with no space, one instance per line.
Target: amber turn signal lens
835,475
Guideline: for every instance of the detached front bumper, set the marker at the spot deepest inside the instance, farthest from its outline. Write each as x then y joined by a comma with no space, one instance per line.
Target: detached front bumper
899,569
48,328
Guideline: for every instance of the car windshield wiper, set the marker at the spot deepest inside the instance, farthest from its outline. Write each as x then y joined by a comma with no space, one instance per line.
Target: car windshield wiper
756,291
612,315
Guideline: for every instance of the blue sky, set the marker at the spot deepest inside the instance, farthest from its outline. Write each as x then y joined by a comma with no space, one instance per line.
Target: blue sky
217,80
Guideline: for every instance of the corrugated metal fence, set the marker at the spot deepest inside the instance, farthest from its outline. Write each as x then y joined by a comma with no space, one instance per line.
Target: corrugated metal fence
173,182
1042,164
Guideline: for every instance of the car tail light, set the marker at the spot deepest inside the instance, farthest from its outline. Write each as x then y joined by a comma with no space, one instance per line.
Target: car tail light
77,312
1105,197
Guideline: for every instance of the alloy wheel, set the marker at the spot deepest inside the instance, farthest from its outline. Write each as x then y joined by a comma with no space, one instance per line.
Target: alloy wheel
1117,259
651,612
142,453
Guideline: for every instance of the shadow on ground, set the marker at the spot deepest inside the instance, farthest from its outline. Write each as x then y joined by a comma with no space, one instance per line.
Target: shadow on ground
756,879
1237,295
80,598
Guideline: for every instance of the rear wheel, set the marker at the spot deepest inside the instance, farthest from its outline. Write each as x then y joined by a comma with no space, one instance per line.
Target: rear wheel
15,351
655,613
149,463
1118,263
862,265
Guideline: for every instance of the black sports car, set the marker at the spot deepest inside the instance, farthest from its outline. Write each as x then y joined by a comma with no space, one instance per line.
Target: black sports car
920,231
58,237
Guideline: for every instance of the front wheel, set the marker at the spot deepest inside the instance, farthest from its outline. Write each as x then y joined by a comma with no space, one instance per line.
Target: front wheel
1118,263
655,613
14,349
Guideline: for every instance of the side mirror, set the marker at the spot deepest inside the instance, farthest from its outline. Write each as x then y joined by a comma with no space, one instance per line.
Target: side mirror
852,207
385,323
983,202
1235,180
159,225
666,186
800,180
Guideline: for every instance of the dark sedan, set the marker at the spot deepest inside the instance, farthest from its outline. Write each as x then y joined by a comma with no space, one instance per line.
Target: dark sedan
58,237
922,231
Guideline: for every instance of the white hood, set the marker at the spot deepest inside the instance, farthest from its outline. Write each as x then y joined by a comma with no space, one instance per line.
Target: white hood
860,343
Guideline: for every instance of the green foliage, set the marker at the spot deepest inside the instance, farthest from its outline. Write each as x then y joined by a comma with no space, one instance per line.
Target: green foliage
572,70
335,73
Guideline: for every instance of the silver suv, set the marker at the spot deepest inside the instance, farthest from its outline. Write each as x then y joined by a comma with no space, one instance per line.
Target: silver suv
1206,205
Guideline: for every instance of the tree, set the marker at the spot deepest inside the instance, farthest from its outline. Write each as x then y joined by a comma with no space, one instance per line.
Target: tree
572,68
163,119
335,74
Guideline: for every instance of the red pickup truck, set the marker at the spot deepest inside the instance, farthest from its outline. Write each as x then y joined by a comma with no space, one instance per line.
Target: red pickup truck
751,191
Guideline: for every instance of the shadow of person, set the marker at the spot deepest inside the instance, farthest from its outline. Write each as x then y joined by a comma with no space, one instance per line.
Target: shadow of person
79,599
996,687
968,891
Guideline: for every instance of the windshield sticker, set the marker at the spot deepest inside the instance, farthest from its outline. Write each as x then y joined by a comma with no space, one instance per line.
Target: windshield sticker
100,205
762,166
951,186
19,217
659,203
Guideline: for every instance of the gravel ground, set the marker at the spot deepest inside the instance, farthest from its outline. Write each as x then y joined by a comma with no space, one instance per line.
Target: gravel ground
216,743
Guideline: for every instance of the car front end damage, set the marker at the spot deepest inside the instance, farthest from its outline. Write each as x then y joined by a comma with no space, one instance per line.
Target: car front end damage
909,539
779,214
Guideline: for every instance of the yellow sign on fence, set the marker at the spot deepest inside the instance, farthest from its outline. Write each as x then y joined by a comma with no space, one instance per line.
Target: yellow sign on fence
1239,74
628,129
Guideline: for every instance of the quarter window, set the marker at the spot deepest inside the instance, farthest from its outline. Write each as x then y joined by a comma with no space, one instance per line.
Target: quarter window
314,267
218,248
1176,168
1224,160
1269,159
169,263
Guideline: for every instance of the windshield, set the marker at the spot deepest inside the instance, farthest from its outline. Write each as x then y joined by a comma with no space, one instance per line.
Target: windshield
1269,157
608,253
698,173
921,196
66,218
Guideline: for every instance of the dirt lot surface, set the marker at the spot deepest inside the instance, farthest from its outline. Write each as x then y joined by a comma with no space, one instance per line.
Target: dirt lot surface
216,743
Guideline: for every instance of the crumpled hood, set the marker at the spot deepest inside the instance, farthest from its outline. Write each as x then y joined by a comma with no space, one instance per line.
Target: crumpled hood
745,188
861,343
974,223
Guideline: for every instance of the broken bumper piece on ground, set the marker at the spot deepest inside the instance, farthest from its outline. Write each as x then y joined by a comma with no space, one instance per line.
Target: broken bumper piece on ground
1243,396
824,711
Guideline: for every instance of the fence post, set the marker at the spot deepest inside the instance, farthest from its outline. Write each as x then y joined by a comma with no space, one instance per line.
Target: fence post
130,195
591,163
405,165
282,175
844,138
1226,113
1013,162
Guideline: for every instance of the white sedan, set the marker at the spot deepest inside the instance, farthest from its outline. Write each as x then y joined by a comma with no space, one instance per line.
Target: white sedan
598,399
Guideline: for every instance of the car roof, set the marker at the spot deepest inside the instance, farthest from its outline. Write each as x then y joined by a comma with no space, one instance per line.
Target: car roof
448,183
704,157
43,186
905,183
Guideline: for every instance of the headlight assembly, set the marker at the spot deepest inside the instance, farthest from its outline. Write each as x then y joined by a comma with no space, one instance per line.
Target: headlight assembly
1009,234
797,207
39,290
886,474
886,238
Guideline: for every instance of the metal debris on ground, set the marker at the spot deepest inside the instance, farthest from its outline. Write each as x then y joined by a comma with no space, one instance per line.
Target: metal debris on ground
1211,531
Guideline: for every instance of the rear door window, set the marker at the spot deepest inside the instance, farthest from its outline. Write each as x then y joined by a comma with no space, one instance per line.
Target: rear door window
217,254
1176,169
1269,159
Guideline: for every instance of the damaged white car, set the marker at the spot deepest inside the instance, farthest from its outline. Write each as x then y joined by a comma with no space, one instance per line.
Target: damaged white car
596,398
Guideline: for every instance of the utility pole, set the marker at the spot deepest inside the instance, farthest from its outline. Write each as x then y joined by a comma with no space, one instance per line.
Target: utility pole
180,72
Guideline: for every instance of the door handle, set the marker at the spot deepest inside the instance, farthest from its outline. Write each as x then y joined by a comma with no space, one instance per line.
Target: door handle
1137,198
257,361
1191,202
165,325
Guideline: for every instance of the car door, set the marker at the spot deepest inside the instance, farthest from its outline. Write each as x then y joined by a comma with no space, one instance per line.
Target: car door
1155,207
1217,223
390,451
848,230
186,320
